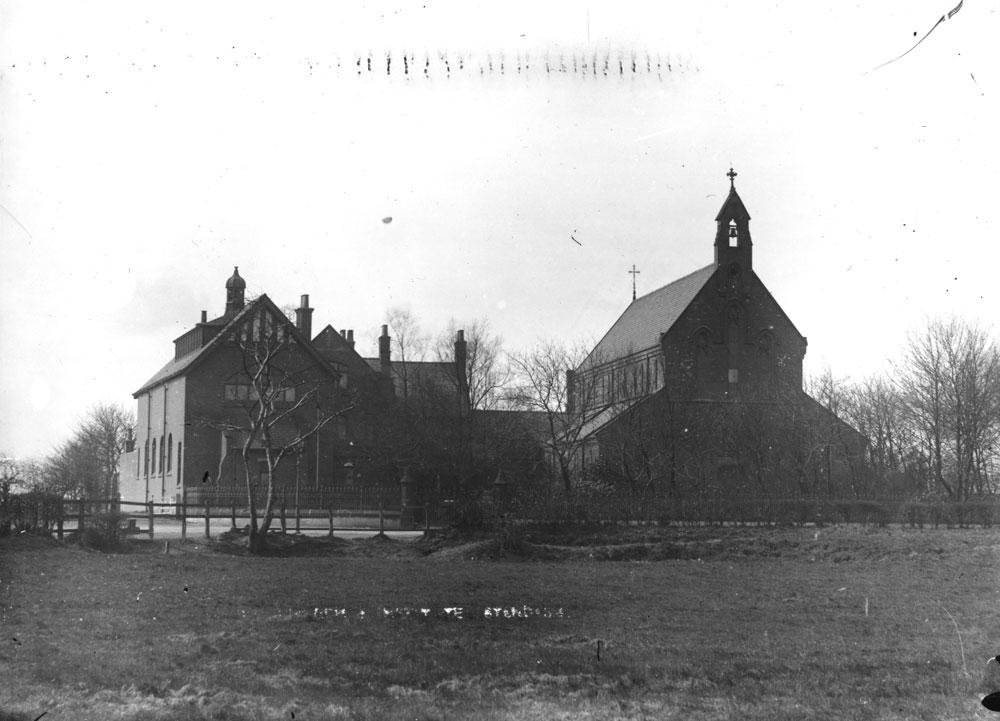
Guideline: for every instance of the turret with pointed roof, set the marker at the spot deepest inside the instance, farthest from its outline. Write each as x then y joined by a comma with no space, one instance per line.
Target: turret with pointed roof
235,289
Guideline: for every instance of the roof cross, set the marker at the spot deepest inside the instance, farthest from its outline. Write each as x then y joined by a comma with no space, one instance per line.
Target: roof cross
732,177
633,273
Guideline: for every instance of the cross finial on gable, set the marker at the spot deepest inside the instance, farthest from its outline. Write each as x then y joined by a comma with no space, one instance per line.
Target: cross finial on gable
732,177
633,273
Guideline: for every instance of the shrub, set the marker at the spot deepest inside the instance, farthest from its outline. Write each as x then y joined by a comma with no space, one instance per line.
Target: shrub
864,512
916,514
470,512
943,513
972,513
511,537
103,532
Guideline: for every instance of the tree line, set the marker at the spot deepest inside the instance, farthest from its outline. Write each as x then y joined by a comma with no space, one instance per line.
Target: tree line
84,466
933,419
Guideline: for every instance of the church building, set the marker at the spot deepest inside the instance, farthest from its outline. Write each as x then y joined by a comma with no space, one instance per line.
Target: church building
698,387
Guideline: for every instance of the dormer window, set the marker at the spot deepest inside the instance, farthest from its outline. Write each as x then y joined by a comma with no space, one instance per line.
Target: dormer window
733,234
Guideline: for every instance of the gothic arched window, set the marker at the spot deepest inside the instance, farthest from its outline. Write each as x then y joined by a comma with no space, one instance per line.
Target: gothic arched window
765,343
701,343
734,321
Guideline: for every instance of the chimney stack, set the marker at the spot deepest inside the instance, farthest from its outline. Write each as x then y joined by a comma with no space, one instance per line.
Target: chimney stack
350,337
303,317
385,352
204,316
461,358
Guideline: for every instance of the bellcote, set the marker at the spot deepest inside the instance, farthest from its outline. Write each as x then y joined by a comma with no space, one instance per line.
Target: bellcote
732,235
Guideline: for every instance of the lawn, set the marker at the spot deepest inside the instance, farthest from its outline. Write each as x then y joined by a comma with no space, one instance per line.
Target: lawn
846,623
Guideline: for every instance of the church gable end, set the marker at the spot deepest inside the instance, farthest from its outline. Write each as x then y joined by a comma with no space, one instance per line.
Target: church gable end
732,340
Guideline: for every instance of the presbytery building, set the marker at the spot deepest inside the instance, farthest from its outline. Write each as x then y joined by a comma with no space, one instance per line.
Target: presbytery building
327,406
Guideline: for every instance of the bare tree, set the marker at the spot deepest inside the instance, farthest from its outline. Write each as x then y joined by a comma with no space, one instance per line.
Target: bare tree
410,345
487,373
87,464
950,386
108,432
284,396
540,385
20,474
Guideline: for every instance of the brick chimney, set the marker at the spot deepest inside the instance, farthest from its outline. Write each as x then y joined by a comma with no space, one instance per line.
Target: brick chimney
385,352
461,358
303,317
350,337
570,391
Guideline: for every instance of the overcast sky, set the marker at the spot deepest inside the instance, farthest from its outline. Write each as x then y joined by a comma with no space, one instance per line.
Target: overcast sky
146,149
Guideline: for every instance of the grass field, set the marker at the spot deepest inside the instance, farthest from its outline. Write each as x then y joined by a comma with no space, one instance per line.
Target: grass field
691,623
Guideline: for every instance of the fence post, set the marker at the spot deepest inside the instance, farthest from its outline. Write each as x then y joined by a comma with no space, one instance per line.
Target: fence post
184,517
427,519
81,513
298,518
208,516
59,521
281,518
233,516
330,511
149,513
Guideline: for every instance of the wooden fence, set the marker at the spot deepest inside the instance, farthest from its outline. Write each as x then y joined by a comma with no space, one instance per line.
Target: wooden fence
360,498
115,518
52,514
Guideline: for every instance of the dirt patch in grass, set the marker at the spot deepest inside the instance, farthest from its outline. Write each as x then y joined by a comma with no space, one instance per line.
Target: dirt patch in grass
838,544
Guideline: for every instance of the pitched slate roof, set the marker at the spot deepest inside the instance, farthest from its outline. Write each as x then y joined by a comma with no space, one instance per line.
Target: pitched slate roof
639,327
603,417
338,351
180,365
421,376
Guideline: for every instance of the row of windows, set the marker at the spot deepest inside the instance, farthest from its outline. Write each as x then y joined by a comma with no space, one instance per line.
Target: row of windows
246,392
262,327
164,457
616,384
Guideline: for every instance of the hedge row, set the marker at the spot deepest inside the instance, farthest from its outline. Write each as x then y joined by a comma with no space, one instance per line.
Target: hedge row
784,512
